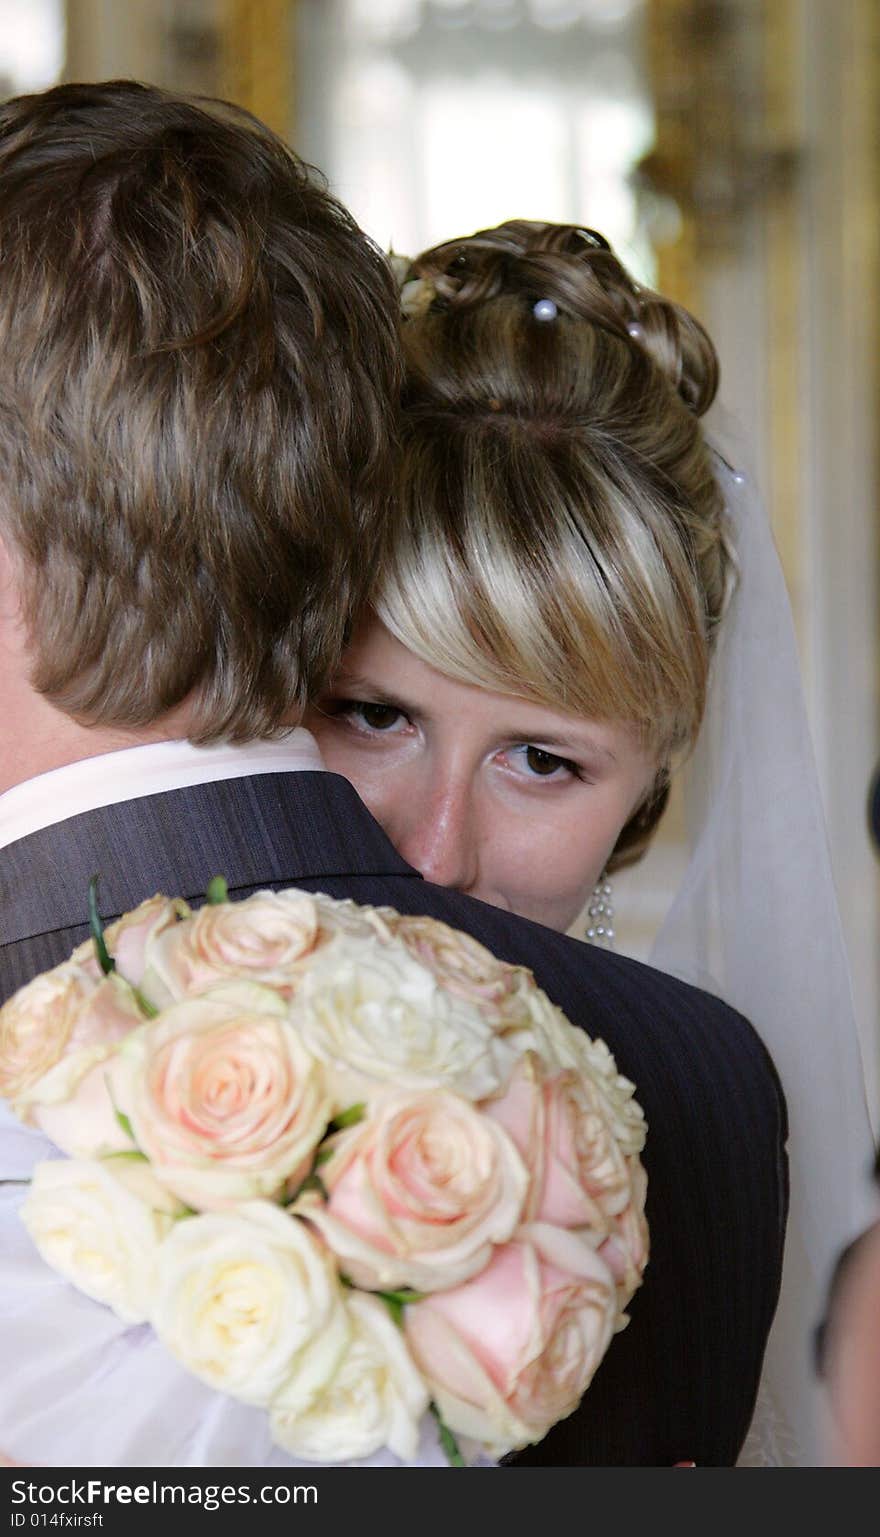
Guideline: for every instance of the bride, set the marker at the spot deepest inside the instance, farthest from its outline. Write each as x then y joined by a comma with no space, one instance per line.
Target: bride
585,598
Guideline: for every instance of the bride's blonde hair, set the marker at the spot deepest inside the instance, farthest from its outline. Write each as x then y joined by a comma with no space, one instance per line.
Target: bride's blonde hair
562,526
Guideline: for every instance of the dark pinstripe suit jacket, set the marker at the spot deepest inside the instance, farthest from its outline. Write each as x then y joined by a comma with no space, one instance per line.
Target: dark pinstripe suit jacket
679,1383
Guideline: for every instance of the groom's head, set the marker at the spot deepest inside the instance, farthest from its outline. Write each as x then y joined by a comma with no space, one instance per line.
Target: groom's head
198,372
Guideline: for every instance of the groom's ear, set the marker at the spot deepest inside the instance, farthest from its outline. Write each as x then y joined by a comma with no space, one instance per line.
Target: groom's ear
5,569
10,581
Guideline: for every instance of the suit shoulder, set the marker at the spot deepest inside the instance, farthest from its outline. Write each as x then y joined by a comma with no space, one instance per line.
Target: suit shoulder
630,1001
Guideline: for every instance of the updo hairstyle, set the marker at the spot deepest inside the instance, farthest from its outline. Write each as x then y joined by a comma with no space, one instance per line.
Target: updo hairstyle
563,531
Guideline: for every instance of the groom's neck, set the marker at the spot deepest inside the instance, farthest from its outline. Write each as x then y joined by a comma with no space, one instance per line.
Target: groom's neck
36,737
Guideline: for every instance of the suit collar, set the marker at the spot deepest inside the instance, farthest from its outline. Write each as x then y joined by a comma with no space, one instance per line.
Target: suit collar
147,768
259,831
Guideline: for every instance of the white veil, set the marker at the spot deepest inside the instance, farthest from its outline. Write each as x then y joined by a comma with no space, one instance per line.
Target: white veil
756,922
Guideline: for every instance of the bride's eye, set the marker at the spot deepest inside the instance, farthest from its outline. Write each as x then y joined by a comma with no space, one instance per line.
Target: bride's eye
540,764
368,715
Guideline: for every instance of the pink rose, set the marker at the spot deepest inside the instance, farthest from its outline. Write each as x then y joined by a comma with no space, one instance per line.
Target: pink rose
223,1097
558,1042
55,1030
73,1103
128,939
36,1025
559,1123
514,1349
419,1193
461,964
266,938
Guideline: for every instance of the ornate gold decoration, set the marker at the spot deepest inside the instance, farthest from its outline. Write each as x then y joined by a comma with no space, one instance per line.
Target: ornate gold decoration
258,59
717,154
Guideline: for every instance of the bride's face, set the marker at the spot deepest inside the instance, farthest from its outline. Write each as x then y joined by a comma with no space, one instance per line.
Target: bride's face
513,803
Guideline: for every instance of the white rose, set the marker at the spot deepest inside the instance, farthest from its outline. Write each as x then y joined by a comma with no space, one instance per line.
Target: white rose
92,1228
378,1018
249,1302
375,1398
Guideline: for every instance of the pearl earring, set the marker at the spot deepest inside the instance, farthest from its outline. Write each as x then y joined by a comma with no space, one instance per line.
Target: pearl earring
600,928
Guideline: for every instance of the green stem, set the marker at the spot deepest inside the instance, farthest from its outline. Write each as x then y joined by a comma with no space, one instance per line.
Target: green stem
105,959
447,1440
96,925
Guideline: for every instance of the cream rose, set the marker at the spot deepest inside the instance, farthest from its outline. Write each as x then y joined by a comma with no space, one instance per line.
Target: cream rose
514,1349
627,1247
36,1025
418,1193
266,938
223,1097
90,1222
251,1303
352,920
375,1398
378,1018
559,1123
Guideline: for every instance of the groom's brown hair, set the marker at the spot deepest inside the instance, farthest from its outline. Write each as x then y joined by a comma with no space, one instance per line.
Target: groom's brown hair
198,376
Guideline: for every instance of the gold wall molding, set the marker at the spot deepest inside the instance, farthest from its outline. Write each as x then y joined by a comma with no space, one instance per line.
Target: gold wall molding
787,301
257,68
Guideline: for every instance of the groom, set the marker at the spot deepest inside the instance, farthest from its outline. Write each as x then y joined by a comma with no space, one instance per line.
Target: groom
198,369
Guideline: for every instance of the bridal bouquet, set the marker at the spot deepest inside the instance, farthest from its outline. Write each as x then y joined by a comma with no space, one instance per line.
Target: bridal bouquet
349,1167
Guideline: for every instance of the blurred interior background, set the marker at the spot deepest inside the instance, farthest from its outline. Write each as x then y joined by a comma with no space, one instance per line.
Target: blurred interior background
730,149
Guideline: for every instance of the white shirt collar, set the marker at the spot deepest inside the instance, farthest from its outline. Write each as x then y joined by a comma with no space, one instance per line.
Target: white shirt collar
148,769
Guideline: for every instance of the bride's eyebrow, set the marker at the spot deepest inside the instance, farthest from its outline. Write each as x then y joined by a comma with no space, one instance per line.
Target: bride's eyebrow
568,744
375,693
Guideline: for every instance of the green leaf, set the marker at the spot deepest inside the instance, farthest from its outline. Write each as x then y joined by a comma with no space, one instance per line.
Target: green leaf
121,1118
312,1182
447,1440
324,1154
345,1118
125,1123
394,1307
217,892
105,959
127,1155
396,1301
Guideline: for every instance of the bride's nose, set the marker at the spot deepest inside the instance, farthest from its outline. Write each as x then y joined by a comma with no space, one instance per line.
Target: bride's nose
437,833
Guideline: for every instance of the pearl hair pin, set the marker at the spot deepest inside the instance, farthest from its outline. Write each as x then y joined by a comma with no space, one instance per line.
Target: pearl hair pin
545,309
636,331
